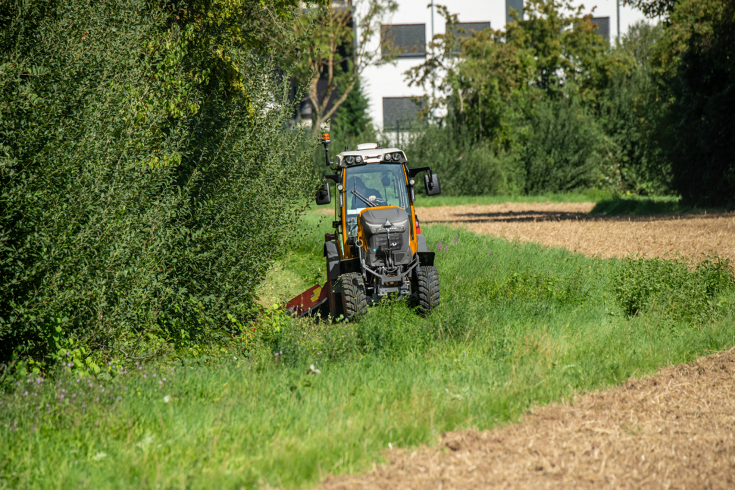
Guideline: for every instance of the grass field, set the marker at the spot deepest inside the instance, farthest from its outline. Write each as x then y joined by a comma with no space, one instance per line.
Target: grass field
519,325
605,202
592,195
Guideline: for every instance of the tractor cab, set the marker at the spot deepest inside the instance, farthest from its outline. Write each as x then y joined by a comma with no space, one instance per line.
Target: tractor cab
377,247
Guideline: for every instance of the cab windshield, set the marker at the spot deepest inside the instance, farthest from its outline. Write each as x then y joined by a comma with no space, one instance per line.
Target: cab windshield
374,185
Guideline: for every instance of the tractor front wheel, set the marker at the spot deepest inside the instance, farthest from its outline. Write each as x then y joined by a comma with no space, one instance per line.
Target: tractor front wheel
354,302
427,282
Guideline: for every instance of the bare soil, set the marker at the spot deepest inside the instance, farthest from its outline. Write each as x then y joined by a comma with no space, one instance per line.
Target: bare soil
674,430
570,225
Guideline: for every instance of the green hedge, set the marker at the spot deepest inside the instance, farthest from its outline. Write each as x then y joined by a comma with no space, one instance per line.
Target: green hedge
143,197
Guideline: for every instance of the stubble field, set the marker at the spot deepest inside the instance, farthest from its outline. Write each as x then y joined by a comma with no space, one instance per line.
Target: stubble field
574,227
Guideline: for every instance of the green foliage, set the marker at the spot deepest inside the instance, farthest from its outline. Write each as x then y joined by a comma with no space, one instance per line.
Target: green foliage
565,149
630,109
653,8
544,106
674,287
698,132
352,119
337,46
138,190
547,105
465,167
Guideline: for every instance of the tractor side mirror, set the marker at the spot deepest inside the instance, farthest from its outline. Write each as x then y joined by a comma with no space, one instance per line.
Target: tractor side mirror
323,195
431,183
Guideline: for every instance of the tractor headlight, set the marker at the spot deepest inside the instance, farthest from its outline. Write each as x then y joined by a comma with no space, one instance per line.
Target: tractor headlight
396,156
387,157
339,187
350,160
358,159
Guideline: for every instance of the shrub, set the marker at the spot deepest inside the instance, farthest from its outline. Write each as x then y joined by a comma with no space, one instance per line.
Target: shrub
564,150
673,287
466,168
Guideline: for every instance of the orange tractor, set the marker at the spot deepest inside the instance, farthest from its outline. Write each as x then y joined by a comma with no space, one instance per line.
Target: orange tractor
377,247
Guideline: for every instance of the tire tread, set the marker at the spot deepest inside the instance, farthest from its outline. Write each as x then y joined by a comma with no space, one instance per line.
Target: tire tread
428,288
353,292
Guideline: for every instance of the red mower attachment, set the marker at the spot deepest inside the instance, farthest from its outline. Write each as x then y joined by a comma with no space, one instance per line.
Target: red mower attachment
308,302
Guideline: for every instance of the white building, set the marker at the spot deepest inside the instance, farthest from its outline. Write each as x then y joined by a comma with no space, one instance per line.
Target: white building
414,23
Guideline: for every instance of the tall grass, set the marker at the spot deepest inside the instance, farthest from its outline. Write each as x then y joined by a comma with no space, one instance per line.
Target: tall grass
519,325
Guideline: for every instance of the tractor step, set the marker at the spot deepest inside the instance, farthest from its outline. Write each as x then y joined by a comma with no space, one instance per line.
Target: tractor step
308,302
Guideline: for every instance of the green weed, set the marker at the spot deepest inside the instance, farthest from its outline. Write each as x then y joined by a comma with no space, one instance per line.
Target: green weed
519,325
676,288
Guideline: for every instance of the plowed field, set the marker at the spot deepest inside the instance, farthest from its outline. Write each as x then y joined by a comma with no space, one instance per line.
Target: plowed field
571,226
674,430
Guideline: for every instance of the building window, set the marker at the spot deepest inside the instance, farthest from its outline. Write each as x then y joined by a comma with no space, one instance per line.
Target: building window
601,26
516,5
466,29
404,40
400,112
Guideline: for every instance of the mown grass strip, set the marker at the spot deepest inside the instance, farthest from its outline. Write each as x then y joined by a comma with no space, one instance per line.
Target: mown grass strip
592,195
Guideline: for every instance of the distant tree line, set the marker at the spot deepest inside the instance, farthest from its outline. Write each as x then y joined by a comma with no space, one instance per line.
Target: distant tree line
547,105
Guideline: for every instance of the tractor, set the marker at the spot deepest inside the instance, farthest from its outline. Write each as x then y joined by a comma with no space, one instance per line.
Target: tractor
377,248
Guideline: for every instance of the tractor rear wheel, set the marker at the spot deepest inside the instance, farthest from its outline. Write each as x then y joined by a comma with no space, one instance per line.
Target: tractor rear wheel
427,282
354,302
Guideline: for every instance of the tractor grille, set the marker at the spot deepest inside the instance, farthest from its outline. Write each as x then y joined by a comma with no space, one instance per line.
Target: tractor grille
379,243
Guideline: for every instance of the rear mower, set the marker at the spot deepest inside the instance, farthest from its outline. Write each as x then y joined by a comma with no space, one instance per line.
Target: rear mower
377,247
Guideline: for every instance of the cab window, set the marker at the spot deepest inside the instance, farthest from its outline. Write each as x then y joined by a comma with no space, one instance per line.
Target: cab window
376,184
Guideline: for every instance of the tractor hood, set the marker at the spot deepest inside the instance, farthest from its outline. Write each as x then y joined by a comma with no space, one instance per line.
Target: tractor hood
374,221
387,231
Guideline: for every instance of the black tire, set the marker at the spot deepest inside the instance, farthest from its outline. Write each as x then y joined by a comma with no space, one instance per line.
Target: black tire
427,282
354,302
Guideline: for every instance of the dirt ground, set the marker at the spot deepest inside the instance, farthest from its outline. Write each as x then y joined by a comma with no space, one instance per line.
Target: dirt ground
674,430
571,226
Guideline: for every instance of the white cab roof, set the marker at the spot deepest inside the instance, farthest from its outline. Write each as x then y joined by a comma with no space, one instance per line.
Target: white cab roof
370,155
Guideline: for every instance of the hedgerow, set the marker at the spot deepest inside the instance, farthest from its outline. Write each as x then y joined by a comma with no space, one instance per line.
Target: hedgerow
145,187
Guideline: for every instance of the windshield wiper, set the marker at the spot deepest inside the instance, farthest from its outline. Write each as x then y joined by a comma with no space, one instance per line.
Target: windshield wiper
363,198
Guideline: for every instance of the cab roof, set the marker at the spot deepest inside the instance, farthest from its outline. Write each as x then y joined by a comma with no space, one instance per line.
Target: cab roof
370,155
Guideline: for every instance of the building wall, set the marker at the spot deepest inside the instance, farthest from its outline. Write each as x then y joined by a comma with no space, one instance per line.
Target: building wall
389,81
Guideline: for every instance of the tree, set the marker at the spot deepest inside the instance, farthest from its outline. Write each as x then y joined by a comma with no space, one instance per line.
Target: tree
352,119
340,47
653,8
555,49
696,68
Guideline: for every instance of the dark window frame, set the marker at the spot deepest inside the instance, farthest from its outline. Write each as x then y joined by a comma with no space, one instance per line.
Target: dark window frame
392,123
411,53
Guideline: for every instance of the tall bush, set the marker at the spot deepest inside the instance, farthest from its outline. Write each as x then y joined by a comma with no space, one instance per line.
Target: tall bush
142,194
565,147
698,132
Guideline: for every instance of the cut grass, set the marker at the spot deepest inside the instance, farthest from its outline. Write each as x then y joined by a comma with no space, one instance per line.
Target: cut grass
634,205
592,195
519,325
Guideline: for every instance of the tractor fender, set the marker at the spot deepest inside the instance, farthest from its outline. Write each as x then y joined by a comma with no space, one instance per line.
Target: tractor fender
421,243
332,255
